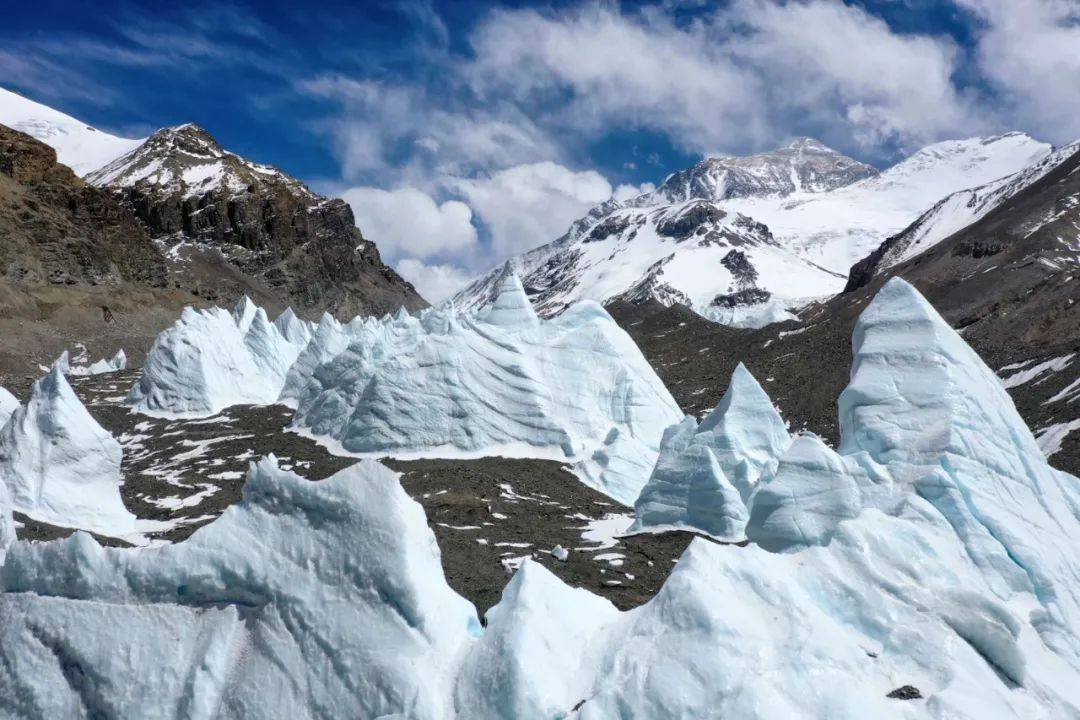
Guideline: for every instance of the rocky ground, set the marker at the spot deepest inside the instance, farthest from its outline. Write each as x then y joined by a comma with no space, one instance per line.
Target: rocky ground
487,515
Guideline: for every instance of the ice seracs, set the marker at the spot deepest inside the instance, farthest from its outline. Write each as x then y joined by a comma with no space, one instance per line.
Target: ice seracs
304,597
59,466
211,359
705,473
99,367
934,548
8,405
500,382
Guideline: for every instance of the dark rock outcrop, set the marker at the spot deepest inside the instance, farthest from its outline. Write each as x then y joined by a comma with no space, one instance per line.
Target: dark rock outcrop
183,185
57,229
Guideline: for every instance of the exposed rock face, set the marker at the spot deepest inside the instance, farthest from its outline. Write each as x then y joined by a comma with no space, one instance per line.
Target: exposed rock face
184,187
57,229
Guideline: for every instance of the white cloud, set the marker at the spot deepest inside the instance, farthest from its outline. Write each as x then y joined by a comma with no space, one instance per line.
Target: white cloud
737,79
531,204
403,132
408,222
627,191
434,282
1029,50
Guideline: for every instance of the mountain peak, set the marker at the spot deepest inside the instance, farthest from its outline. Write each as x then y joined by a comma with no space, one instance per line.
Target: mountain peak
805,165
809,143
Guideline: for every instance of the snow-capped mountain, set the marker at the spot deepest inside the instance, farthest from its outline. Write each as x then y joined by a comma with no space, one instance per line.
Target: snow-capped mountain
805,165
219,224
187,160
79,146
953,213
744,240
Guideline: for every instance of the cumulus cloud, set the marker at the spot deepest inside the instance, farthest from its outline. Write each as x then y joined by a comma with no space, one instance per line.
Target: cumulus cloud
409,223
531,204
434,282
743,77
1030,52
504,124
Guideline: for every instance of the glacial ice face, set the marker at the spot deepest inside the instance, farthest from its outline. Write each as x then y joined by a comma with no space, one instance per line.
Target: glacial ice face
8,404
747,434
305,599
440,384
935,548
328,340
501,382
59,466
922,402
705,473
534,659
211,359
812,490
688,491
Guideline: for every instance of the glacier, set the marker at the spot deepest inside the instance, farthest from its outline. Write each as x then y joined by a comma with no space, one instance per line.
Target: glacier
98,367
211,359
305,599
934,548
705,473
59,466
500,381
8,404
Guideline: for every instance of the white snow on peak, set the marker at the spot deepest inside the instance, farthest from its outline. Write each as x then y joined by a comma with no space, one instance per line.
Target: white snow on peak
798,218
839,228
187,160
960,209
79,146
59,466
705,473
305,597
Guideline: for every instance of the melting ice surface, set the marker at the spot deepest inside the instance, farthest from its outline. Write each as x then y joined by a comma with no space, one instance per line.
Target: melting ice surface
58,465
705,473
935,548
445,384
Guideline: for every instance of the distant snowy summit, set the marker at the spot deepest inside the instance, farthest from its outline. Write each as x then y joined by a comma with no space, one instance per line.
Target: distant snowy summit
805,165
79,146
747,240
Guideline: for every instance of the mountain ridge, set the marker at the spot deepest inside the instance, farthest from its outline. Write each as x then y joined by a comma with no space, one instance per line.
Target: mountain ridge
814,232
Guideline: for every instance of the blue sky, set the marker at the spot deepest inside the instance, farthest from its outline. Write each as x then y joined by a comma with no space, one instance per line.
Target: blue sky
463,132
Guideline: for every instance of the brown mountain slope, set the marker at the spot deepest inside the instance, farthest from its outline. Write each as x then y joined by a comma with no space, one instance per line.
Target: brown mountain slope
78,265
